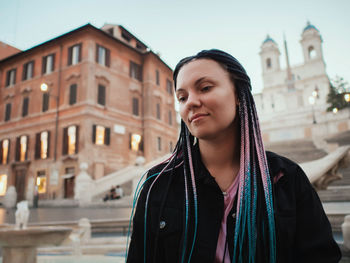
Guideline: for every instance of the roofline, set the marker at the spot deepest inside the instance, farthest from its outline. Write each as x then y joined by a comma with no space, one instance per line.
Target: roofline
133,35
154,54
86,26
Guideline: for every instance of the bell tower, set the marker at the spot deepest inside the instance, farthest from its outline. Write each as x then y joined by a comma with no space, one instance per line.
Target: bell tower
311,43
270,56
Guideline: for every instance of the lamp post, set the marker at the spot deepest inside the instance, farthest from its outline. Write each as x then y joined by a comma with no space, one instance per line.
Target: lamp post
44,87
312,102
347,99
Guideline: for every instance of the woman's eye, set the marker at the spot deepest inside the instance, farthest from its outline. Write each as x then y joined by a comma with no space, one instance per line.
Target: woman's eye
181,99
206,88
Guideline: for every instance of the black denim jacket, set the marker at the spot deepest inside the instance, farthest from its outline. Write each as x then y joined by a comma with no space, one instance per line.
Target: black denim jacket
303,232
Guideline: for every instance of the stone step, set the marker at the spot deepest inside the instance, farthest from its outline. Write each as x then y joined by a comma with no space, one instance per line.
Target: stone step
335,194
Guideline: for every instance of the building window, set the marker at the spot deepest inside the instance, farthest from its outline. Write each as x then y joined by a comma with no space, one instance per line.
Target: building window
135,142
74,54
100,135
8,112
4,151
169,86
28,70
170,119
41,182
45,105
48,64
102,55
157,77
135,106
3,184
171,147
101,95
312,52
25,106
42,145
158,111
159,143
22,148
268,63
11,77
72,94
135,71
70,140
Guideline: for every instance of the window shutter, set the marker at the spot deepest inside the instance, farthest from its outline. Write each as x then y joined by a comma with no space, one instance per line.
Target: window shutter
70,56
97,46
107,136
18,148
45,102
37,145
108,57
25,106
8,152
27,150
8,112
48,143
73,94
94,134
65,141
141,144
14,79
130,140
101,96
76,139
33,67
43,65
1,152
8,78
24,71
53,63
80,51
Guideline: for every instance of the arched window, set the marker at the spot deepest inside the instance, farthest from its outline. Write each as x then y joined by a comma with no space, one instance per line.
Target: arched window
312,52
268,63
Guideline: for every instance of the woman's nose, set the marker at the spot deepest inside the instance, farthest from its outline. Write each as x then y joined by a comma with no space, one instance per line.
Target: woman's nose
193,100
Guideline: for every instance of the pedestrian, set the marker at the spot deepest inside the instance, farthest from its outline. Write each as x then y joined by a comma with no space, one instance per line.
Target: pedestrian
119,192
220,197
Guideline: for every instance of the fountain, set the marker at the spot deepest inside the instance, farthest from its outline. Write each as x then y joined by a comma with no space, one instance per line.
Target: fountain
19,243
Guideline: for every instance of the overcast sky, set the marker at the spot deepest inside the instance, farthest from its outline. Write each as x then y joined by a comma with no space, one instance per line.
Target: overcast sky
176,29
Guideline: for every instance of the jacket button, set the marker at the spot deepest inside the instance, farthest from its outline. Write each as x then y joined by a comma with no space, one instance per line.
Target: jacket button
162,224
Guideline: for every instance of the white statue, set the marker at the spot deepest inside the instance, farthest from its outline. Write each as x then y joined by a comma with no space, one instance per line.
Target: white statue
22,215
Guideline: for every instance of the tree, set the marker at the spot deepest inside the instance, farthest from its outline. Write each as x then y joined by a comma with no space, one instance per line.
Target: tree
338,87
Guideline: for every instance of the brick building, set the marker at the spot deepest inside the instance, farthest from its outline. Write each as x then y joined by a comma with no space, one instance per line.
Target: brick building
92,95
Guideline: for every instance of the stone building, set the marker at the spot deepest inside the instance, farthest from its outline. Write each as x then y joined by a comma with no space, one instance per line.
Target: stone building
293,102
99,96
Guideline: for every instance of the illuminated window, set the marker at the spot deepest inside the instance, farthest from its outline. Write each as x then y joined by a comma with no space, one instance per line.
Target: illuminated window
135,142
3,184
44,142
23,148
100,135
41,182
71,139
5,145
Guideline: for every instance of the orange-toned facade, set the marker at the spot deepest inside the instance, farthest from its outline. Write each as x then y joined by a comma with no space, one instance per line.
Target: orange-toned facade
103,59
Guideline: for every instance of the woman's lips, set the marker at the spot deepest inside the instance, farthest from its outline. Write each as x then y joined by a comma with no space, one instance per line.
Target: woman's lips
198,116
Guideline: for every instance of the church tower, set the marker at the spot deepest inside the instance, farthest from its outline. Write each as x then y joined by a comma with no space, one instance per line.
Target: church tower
270,56
311,43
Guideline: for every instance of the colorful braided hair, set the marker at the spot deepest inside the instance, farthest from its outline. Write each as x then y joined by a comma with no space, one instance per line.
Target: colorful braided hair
254,233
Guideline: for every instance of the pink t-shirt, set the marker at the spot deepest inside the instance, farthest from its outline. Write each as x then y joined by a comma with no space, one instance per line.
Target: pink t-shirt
229,197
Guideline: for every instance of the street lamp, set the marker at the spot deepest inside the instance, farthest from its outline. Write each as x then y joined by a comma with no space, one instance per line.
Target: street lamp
44,87
312,102
335,110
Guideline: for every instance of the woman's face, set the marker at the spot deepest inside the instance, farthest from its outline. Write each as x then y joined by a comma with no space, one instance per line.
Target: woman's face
207,99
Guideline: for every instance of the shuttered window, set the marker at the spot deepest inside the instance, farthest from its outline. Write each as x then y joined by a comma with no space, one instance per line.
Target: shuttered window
48,64
70,143
157,77
101,95
103,55
45,105
72,94
25,106
135,106
74,54
11,77
8,111
28,70
100,135
135,71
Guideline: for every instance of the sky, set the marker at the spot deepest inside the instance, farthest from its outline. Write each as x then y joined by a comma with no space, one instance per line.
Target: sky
176,29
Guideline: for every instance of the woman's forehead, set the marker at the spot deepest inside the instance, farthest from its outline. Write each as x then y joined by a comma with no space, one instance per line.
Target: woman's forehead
199,69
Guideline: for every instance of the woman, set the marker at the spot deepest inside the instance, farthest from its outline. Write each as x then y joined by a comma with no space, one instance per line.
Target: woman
220,197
